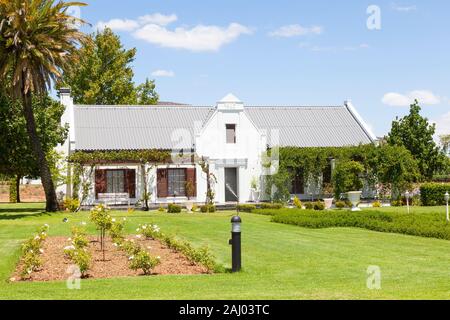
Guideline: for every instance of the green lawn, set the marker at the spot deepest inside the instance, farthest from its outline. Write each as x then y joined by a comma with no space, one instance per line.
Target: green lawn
280,261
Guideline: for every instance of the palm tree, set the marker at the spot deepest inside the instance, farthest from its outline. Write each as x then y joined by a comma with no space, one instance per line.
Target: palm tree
38,41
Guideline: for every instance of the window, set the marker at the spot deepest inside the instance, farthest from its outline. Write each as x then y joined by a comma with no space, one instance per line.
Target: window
327,174
177,182
298,181
115,181
231,133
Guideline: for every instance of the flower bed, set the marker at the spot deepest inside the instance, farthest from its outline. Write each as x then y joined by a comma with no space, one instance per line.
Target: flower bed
54,263
111,254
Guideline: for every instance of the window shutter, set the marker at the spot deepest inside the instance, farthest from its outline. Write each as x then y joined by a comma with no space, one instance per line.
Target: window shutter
100,182
191,176
130,186
162,183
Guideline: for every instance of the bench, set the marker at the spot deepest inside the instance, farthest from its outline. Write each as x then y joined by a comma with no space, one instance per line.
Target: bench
114,198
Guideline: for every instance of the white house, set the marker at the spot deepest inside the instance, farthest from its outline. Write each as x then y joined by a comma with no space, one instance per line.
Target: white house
232,137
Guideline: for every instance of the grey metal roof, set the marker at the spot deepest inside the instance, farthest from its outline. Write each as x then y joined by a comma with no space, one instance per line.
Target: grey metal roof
174,127
137,127
309,126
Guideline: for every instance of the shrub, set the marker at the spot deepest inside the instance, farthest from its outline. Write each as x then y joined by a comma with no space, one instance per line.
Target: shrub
82,259
194,208
161,209
430,225
32,249
71,205
143,260
396,203
415,201
309,205
201,255
376,204
208,208
130,247
246,207
275,206
149,231
340,204
297,203
80,242
116,231
319,206
432,194
31,263
174,208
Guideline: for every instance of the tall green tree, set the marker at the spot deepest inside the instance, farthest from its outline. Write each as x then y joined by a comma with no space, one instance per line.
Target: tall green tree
38,39
17,158
104,74
415,133
146,93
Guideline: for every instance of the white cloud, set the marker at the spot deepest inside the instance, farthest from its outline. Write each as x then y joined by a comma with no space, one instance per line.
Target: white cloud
158,18
294,30
118,25
400,8
198,38
425,97
163,73
130,24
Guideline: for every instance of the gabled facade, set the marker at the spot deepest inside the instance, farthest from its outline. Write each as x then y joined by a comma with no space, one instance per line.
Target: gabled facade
231,136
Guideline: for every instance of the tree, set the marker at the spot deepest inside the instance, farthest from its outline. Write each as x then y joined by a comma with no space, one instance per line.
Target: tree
347,176
17,158
103,74
395,167
146,93
38,40
416,134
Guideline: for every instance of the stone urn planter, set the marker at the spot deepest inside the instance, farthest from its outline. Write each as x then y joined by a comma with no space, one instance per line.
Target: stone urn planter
255,195
328,203
189,205
354,197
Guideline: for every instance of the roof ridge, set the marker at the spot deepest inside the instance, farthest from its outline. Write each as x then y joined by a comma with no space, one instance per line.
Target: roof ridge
119,106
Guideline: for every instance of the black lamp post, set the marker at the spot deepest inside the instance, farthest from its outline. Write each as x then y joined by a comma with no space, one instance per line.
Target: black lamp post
235,243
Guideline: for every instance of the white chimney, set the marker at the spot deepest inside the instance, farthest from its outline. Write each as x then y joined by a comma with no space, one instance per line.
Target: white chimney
68,116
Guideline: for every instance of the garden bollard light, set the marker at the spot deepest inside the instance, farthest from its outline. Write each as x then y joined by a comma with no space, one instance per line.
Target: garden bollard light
447,197
407,195
235,243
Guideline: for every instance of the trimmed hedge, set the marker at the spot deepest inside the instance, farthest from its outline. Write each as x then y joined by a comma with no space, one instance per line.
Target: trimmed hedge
430,225
246,207
274,206
174,208
208,208
432,194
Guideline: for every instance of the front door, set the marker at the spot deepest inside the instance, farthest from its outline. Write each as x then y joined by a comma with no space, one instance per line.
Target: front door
231,185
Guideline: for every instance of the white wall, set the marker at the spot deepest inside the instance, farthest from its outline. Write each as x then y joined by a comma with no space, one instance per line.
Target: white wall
244,155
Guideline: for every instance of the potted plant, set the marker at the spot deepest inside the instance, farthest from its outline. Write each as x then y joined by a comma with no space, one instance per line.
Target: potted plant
190,189
254,189
347,180
328,195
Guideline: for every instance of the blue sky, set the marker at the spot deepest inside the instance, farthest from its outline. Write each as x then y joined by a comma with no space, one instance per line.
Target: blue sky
290,52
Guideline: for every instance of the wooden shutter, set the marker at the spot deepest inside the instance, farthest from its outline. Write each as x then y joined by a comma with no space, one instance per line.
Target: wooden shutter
162,184
130,182
191,176
100,182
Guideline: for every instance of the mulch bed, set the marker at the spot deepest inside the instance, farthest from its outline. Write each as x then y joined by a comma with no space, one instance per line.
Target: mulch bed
55,264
